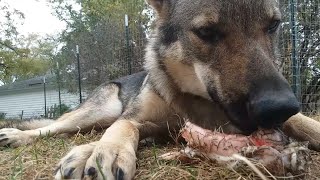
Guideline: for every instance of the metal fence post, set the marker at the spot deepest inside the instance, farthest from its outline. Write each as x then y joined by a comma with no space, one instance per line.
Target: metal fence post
294,57
129,60
79,73
45,96
59,88
21,118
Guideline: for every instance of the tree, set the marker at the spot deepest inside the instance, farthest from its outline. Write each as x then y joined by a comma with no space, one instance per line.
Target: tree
308,50
21,57
98,28
31,57
8,29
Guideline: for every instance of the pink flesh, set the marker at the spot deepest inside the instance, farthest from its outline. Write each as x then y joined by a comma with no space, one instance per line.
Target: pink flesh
225,145
271,148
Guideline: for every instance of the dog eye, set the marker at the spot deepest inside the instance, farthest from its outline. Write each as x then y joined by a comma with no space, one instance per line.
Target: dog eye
273,26
209,34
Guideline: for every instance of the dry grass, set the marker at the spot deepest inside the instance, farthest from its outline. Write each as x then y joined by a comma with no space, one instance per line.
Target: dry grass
38,161
316,118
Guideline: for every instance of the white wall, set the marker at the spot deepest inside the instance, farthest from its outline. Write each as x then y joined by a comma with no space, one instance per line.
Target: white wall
32,102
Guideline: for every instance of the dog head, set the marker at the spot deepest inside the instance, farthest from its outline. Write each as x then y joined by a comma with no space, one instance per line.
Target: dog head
224,50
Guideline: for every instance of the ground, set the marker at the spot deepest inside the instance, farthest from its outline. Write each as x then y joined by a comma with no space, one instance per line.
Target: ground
37,161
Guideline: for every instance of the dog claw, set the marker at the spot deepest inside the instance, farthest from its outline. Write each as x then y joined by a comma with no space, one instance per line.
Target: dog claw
68,173
14,138
4,139
57,169
91,172
119,174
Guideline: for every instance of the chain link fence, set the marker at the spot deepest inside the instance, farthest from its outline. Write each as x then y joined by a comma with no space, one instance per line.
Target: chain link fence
300,51
115,48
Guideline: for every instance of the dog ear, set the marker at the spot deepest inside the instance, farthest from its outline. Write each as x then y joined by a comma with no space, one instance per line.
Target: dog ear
160,6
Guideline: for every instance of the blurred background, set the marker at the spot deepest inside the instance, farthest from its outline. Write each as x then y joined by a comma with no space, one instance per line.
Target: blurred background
53,53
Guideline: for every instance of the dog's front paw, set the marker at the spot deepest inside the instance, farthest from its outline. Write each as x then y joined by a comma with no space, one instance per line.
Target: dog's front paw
111,161
10,137
72,165
98,161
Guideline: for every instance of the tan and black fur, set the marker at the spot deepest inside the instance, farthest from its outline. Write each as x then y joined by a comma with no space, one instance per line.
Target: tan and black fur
210,61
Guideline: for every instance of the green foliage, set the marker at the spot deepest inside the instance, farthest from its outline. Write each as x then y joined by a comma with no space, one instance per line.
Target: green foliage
54,111
2,116
31,58
21,57
97,26
112,8
8,30
307,49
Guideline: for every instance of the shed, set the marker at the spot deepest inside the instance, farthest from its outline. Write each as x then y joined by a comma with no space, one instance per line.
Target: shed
27,97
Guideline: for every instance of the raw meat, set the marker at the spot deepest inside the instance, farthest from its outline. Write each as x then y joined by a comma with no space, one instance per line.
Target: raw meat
270,148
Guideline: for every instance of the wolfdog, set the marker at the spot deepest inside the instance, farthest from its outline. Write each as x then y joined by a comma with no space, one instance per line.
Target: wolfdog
210,61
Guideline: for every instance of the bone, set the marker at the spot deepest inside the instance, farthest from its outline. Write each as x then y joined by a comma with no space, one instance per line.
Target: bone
303,128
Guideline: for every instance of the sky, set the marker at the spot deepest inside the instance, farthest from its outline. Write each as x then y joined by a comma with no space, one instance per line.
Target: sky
38,17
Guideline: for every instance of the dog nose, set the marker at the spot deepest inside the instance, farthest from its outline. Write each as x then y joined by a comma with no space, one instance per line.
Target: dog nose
273,108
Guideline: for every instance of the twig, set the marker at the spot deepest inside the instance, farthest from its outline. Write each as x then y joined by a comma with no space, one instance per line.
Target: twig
251,165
